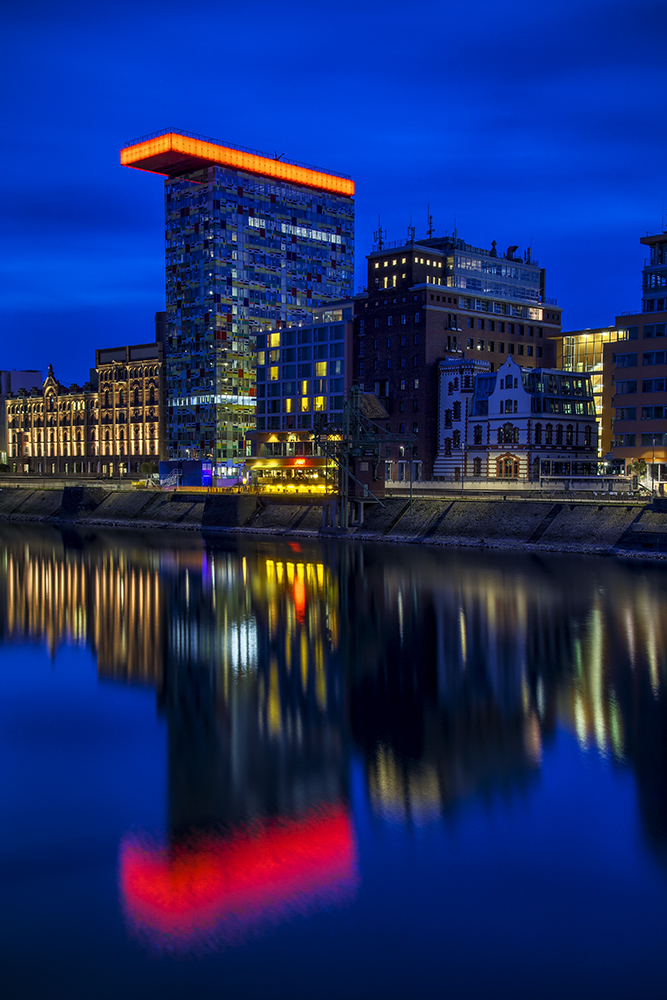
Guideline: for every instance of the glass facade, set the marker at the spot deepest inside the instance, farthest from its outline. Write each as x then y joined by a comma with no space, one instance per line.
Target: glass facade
252,243
583,351
242,253
654,276
301,373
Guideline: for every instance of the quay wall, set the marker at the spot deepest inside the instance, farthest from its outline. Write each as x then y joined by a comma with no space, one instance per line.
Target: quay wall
632,526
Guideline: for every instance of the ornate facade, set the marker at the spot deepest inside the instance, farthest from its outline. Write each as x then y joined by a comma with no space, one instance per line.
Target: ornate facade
108,429
516,423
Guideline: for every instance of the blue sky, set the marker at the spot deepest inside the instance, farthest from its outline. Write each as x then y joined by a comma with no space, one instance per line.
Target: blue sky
529,123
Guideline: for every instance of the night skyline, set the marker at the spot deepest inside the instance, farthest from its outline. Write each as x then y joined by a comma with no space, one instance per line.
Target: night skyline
528,125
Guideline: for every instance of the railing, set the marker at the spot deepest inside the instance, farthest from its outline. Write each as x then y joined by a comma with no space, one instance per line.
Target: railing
234,145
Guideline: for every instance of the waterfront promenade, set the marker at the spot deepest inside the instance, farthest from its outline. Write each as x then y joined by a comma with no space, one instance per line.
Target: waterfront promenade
620,526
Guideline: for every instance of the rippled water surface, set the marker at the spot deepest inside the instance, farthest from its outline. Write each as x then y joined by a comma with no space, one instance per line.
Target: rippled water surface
242,769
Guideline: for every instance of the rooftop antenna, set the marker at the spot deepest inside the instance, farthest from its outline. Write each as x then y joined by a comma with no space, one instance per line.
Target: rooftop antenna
456,232
381,235
276,156
429,231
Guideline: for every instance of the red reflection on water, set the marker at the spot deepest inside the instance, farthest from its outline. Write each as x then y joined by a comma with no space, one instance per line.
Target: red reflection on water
300,600
218,887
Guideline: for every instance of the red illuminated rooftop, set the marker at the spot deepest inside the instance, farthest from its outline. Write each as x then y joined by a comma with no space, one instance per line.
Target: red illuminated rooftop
173,153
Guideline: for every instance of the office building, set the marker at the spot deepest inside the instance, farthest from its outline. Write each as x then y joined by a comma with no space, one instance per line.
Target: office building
582,351
302,377
253,243
108,428
428,298
638,375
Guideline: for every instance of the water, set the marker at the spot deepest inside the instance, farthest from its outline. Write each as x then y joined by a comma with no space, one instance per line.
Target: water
260,769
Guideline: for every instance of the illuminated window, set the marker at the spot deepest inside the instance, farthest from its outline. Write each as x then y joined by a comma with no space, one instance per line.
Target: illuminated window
320,369
273,374
394,263
305,404
403,261
319,403
393,281
288,406
261,358
376,264
274,340
385,263
304,388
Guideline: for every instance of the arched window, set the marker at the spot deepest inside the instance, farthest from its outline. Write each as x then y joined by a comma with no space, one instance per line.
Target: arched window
136,397
106,397
448,418
121,398
559,434
569,434
516,405
477,467
477,434
549,434
538,433
502,406
502,383
448,446
457,410
587,437
456,439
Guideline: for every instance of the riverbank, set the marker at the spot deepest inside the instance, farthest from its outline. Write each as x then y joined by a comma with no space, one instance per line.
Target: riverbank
622,527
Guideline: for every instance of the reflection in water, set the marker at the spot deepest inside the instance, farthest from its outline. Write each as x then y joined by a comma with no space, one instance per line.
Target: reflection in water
447,673
214,888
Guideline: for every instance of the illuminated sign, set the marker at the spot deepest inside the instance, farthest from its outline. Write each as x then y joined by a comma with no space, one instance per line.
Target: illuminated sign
173,154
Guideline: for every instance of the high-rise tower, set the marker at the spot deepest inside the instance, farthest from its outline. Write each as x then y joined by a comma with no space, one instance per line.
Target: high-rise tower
251,243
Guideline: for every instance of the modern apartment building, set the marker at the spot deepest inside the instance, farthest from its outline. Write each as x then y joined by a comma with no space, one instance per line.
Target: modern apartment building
303,374
428,298
108,428
253,243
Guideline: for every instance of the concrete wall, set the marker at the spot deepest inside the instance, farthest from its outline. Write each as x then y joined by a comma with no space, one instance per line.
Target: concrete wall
555,524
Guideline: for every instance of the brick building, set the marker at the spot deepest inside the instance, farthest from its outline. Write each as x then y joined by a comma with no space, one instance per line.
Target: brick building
428,297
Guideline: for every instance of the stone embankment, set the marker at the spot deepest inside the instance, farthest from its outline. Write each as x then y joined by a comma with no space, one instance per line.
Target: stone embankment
630,527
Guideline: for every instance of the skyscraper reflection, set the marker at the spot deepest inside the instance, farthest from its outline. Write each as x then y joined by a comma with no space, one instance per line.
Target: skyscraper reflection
447,674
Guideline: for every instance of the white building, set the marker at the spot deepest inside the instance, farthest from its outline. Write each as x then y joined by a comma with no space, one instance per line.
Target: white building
530,423
516,423
456,383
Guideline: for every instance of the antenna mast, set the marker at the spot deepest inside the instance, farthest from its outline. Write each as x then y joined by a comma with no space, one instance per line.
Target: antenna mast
380,236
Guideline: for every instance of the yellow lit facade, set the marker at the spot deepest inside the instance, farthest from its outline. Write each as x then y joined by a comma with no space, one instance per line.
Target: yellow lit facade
583,351
108,430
